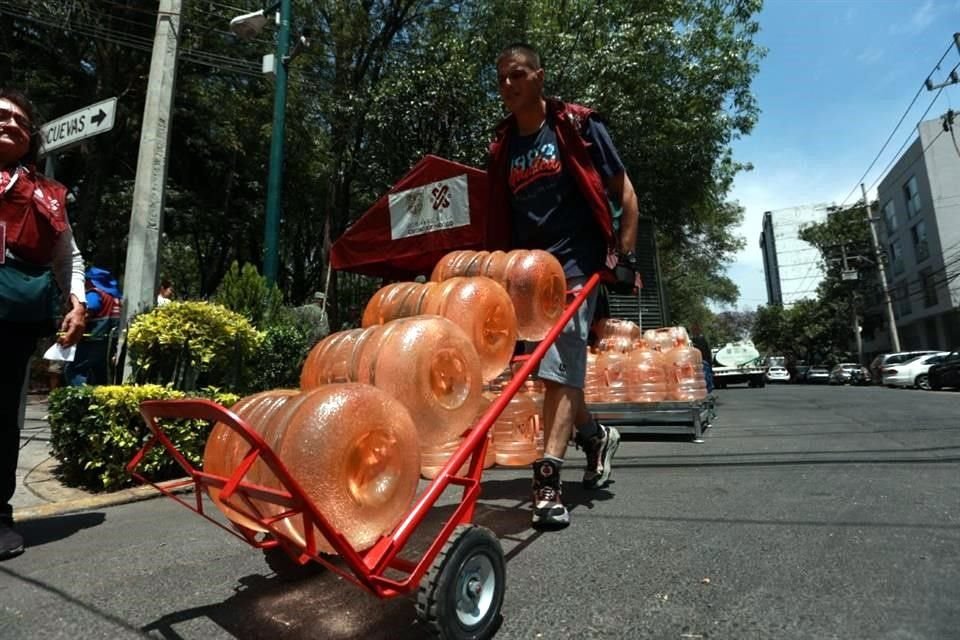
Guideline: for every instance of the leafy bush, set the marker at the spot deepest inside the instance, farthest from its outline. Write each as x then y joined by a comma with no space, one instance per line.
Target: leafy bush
95,431
191,344
246,292
280,357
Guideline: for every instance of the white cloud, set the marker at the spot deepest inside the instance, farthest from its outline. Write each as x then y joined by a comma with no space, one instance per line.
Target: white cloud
922,18
870,55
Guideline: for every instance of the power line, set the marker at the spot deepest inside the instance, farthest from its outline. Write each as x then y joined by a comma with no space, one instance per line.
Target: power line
899,122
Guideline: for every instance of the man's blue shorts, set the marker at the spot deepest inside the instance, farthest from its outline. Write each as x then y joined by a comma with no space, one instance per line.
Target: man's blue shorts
566,360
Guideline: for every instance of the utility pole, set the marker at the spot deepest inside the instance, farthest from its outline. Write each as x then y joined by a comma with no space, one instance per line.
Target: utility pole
846,275
891,319
271,241
146,216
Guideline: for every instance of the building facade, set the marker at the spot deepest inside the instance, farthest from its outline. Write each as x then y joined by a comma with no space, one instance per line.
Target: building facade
792,268
919,228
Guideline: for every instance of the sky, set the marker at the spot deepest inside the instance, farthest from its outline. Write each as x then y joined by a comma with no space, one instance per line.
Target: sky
837,77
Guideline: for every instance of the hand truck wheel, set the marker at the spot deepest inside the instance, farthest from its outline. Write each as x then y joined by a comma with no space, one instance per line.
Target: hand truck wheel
460,597
286,568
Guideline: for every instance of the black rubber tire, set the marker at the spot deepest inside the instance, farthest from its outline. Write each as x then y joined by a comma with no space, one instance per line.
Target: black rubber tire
922,381
286,568
468,548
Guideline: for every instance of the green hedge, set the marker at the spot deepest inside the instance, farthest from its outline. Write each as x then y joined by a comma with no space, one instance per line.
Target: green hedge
192,345
95,431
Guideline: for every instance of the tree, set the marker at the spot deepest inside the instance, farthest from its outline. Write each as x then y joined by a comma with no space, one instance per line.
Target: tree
382,84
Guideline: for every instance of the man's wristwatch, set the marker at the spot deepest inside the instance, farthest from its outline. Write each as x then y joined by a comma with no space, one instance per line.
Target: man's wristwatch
629,259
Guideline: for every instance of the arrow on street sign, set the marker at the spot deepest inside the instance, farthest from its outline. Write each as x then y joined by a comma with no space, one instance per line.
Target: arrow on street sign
75,127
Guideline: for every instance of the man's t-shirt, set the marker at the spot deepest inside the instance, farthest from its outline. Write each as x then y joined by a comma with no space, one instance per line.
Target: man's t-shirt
549,211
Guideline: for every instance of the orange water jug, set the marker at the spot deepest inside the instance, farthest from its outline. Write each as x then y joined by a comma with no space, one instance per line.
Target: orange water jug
646,376
224,450
479,306
534,280
432,458
666,338
515,432
613,376
616,334
593,382
352,448
426,362
685,370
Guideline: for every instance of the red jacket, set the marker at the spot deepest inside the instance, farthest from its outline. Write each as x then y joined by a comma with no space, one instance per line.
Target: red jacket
568,121
34,210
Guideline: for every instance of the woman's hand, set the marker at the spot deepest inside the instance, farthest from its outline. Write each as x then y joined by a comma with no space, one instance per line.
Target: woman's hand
73,323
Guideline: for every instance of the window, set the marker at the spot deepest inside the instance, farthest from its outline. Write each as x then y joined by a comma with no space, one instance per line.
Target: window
912,196
919,234
903,300
890,217
929,284
896,257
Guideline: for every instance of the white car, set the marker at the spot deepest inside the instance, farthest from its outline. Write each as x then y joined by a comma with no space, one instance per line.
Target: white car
912,373
778,374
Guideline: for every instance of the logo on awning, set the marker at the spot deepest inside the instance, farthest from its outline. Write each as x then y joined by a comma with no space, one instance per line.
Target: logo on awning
431,207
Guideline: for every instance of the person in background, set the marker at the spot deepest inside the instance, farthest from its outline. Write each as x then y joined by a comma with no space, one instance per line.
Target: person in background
36,249
555,178
165,293
698,340
90,363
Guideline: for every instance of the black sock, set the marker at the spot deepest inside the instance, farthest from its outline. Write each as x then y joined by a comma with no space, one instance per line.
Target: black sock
587,431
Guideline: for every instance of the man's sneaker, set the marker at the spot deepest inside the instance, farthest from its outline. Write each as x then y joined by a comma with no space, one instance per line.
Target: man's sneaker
599,450
11,542
548,510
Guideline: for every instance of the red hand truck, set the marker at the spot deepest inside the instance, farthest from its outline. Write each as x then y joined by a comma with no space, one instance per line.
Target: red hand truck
460,579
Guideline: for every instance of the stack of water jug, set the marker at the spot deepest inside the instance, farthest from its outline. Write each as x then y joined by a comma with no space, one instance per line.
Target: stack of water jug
381,405
655,366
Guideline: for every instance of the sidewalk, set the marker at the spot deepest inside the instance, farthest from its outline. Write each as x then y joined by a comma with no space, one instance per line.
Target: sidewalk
39,493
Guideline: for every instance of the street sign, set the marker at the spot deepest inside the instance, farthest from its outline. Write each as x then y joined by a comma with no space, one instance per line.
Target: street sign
75,127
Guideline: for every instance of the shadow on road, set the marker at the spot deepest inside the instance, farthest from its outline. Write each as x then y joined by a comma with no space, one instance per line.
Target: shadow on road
43,530
325,605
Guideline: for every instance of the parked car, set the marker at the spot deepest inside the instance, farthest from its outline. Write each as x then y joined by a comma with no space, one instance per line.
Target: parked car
799,373
778,374
817,374
946,373
886,359
849,373
912,373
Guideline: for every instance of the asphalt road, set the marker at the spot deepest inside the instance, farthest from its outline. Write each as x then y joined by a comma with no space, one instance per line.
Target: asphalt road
807,512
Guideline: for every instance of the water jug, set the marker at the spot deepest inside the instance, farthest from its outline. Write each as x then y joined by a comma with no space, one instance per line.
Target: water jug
515,432
612,366
685,370
479,306
432,458
592,383
224,450
426,362
646,376
534,280
351,447
666,338
616,334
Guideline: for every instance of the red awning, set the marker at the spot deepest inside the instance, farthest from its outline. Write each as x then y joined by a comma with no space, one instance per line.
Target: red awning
436,208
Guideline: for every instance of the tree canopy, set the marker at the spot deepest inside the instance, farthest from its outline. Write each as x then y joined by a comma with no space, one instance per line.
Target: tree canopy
383,83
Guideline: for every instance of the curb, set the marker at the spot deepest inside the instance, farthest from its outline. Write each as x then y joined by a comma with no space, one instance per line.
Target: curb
124,496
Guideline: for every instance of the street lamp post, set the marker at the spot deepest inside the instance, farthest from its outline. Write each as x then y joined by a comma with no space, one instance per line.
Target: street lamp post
246,27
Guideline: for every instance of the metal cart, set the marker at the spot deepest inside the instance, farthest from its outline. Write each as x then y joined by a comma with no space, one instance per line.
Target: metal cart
459,580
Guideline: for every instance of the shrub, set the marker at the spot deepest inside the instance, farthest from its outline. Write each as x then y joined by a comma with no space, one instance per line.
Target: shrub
95,431
246,292
280,357
191,344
